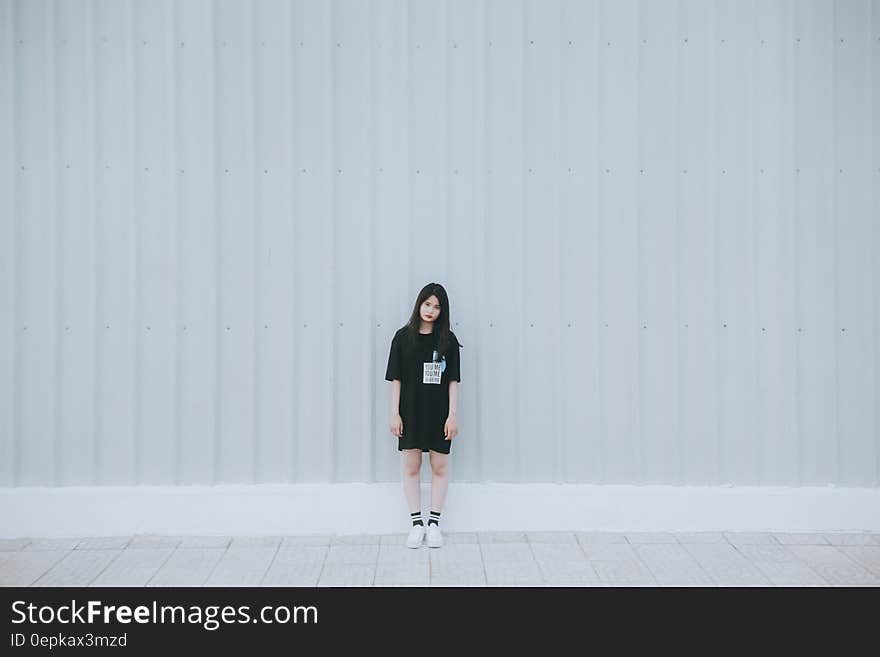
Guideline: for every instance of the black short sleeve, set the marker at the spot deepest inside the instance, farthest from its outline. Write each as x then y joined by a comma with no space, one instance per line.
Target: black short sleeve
453,369
394,370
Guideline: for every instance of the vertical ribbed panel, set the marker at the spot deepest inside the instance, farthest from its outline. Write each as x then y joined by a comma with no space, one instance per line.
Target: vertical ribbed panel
657,222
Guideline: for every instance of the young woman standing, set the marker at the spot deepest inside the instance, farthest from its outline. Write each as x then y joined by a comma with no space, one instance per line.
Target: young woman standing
423,367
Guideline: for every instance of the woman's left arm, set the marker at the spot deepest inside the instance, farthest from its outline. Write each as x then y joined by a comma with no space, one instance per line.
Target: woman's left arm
451,428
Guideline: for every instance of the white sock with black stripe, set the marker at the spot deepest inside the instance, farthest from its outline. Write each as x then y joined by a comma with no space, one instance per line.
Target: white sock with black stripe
417,518
434,518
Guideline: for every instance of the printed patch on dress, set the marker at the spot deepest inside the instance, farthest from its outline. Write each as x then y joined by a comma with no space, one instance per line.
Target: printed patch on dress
431,373
442,362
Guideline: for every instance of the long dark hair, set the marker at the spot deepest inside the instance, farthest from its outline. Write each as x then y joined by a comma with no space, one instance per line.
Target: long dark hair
445,337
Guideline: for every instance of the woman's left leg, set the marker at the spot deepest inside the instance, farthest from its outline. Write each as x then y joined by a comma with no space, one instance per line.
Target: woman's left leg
439,479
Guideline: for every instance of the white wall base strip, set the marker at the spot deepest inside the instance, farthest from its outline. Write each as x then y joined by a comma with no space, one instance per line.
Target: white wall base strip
283,509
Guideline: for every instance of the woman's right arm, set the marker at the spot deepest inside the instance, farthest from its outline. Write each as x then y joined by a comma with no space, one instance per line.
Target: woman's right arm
393,373
396,424
395,397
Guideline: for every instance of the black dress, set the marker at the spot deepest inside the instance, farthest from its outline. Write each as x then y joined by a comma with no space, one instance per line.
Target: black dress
424,389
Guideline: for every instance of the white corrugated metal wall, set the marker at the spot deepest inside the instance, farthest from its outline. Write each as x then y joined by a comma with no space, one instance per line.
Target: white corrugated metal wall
657,222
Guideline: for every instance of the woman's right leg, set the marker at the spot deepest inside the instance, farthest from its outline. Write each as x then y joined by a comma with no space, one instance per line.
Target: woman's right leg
411,465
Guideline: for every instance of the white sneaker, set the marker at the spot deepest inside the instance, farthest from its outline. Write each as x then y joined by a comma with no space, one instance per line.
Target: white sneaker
435,537
416,534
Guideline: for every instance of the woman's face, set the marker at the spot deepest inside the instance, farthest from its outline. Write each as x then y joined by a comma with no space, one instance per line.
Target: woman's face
430,309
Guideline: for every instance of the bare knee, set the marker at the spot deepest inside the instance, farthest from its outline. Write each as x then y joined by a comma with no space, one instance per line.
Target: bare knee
439,466
412,462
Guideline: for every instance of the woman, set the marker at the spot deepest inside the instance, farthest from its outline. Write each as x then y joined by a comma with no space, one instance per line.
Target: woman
423,366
